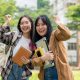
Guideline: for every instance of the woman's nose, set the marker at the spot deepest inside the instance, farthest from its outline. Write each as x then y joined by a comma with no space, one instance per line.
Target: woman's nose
24,24
40,26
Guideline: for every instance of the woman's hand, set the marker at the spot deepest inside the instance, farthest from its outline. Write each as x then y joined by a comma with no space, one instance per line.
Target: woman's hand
8,17
58,21
47,56
7,20
25,60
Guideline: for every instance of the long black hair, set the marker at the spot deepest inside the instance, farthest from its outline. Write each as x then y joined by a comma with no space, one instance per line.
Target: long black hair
32,25
46,21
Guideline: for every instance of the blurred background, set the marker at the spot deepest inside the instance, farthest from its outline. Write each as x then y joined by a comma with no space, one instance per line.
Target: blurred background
67,10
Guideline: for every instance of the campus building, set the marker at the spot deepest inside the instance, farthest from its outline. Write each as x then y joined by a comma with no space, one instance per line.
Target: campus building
73,47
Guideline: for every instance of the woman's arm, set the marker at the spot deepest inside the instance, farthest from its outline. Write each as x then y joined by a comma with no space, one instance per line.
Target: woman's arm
62,33
7,20
41,60
37,61
5,36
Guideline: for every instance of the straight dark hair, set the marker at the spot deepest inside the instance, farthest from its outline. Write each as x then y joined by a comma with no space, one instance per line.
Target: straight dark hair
32,25
46,21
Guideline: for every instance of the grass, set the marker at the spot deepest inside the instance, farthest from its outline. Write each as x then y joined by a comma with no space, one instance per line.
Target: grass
76,74
0,78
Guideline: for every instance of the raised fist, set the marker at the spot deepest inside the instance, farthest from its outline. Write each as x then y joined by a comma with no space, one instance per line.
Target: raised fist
8,17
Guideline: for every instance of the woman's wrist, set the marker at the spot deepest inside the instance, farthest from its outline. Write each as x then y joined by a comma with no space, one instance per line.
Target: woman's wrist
30,61
42,59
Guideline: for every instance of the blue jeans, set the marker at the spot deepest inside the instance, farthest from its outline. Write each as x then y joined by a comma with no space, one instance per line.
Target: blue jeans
50,73
16,73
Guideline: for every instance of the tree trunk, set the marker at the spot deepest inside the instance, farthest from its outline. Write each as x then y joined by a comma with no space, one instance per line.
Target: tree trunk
78,47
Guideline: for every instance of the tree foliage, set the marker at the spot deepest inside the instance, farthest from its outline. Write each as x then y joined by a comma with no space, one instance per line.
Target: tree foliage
73,14
7,7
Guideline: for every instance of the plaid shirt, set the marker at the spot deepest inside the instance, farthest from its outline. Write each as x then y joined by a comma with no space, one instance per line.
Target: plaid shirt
7,39
6,71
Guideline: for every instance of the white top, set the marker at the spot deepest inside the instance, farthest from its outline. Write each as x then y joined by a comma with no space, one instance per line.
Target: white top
24,42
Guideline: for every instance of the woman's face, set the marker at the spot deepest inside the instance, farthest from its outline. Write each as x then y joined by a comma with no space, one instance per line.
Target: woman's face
25,25
41,28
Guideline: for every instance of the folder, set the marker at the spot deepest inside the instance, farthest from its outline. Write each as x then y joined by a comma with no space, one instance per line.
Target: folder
43,44
22,53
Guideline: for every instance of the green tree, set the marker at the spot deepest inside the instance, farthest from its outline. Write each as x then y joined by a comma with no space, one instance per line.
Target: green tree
44,7
7,7
73,14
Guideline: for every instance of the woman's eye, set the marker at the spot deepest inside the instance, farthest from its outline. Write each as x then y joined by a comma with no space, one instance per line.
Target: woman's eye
21,23
40,25
37,25
26,22
43,24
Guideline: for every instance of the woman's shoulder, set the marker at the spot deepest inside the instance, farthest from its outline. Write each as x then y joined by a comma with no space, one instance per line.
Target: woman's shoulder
53,32
16,35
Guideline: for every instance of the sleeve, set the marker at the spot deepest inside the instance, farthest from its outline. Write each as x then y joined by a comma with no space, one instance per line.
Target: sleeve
62,33
6,36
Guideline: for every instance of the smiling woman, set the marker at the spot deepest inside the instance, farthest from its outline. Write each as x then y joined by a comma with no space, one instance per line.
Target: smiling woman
25,26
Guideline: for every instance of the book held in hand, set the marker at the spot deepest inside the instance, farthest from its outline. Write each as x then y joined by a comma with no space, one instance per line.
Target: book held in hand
42,47
43,44
21,54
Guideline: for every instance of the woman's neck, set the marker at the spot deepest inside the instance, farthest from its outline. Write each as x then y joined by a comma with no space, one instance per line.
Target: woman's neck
26,36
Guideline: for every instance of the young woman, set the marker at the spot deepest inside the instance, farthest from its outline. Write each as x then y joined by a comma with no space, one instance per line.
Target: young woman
25,26
60,70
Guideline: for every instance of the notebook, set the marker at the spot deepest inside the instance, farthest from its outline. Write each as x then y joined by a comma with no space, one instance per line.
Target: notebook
22,53
42,43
